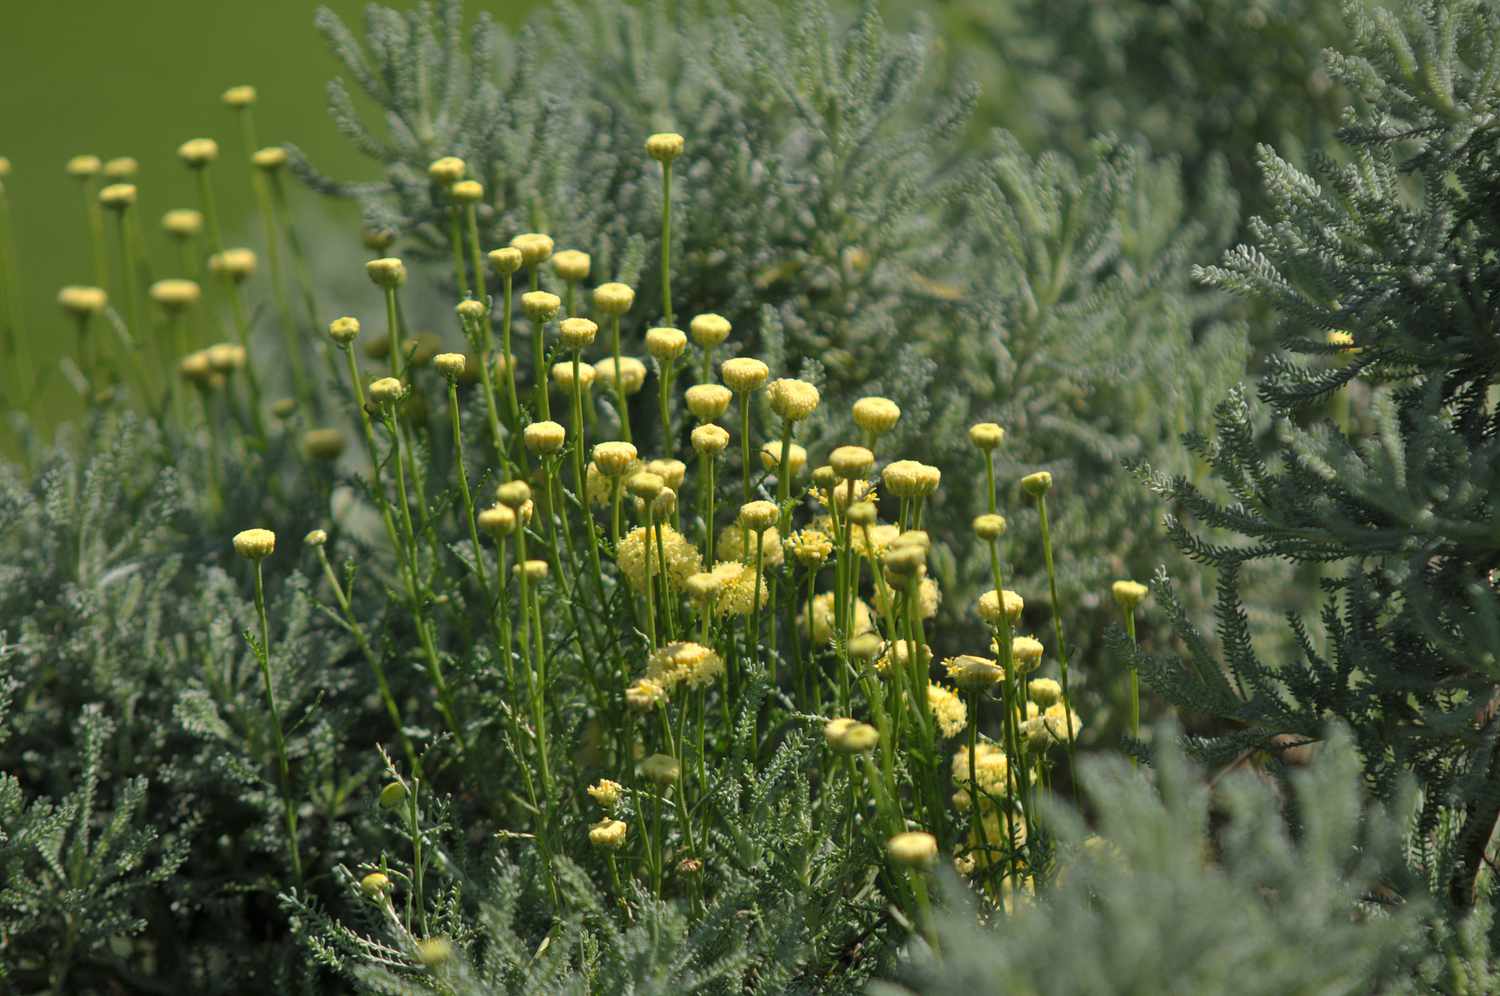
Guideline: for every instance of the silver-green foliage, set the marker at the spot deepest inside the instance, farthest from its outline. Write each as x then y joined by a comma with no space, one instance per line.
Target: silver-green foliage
1178,885
1386,460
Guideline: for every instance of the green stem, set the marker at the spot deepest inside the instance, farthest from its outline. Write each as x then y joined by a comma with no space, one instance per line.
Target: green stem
263,656
666,242
620,402
1062,649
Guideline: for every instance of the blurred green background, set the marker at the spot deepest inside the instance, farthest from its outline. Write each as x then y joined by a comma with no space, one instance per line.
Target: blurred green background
137,79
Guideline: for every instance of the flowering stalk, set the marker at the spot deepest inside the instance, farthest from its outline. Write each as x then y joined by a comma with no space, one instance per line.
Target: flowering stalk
1040,493
10,279
246,542
619,378
351,621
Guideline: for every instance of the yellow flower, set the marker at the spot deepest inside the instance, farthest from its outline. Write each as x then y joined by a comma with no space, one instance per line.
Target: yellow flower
899,652
572,265
661,769
811,547
876,415
793,400
973,673
913,849
255,544
743,374
632,375
911,479
1044,691
989,606
1059,721
991,773
664,146
644,695
823,619
684,662
737,596
606,793
709,330
770,458
986,435
1026,651
1037,484
608,833
535,247
682,559
1129,594
947,709
708,401
731,548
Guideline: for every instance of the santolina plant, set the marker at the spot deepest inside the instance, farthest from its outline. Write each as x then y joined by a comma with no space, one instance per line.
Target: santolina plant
615,653
539,583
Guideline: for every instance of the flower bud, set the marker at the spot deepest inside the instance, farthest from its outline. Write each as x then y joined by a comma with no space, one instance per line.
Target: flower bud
1044,691
614,458
533,570
467,192
118,196
710,440
758,516
990,526
238,97
83,167
82,301
862,513
447,170
876,415
770,458
375,884
513,493
270,159
708,401
613,299
315,537
744,374
535,247
671,471
198,152
793,400
571,265
434,951
664,146
226,357
562,375
450,365
540,306
388,272
236,264
497,520
1037,484
989,606
387,391
851,462
182,223
1129,594
645,485
709,330
606,793
323,444
175,295
506,261
122,168
471,311
910,479
577,333
343,330
865,647
645,695
255,544
913,849
544,437
1026,651
665,344
986,435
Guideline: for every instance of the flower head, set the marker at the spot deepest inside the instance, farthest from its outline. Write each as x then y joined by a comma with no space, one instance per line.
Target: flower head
644,695
686,663
876,415
534,246
913,849
709,330
973,673
664,146
606,793
631,377
682,557
989,606
793,400
608,833
255,544
947,709
613,299
743,374
1129,594
572,265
